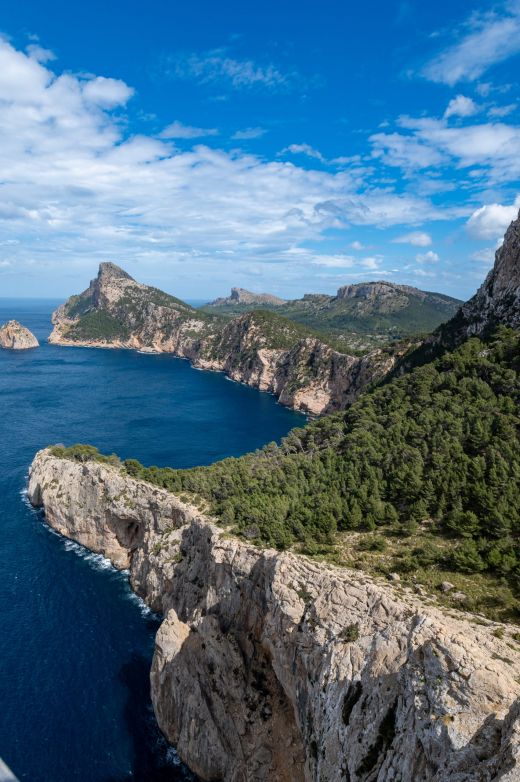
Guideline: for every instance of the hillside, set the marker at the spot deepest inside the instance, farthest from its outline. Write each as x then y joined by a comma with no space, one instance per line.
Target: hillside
431,458
358,316
261,348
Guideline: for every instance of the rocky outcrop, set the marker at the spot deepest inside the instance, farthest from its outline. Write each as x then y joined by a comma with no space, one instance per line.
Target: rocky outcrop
256,348
269,666
384,297
242,296
496,303
14,336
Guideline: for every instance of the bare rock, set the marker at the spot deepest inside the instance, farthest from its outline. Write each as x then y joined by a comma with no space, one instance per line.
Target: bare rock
258,673
14,336
446,586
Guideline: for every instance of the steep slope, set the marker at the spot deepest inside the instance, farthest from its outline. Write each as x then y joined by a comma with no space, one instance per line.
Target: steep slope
269,666
497,302
359,315
260,348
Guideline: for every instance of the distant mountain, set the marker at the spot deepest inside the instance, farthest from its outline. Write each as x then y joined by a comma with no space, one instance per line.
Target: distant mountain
242,296
260,347
358,316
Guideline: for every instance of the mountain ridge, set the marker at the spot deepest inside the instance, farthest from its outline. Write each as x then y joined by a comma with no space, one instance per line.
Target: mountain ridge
360,315
260,348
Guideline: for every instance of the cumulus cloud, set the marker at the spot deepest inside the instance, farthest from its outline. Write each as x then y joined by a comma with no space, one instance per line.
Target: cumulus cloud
428,257
178,130
107,93
356,245
491,220
417,238
429,143
489,39
461,106
76,188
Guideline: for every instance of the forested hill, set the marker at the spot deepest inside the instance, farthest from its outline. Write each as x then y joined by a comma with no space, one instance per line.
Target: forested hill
425,471
358,316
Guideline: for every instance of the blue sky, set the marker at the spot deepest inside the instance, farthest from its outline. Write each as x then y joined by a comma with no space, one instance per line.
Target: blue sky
287,147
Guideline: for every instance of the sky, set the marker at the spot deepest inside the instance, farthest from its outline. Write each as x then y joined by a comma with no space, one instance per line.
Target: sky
287,146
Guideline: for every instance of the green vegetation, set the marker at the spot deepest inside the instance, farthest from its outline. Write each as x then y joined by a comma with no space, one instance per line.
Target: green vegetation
98,325
357,324
424,471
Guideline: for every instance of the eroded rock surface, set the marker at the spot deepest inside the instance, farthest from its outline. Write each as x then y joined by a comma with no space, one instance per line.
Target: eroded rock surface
14,336
269,666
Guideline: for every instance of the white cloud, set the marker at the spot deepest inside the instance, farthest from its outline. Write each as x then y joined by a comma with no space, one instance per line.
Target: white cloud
216,66
107,93
77,189
492,220
486,255
248,133
417,238
303,149
461,106
427,257
502,111
40,54
178,130
490,38
334,261
431,143
356,245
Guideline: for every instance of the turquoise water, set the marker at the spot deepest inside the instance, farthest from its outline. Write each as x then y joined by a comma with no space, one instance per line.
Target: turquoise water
76,644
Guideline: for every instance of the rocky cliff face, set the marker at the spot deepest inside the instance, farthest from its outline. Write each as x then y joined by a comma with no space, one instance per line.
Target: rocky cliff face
498,298
259,349
269,666
242,296
14,336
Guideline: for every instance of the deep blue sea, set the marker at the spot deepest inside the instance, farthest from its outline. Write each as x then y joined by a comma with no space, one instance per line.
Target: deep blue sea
75,643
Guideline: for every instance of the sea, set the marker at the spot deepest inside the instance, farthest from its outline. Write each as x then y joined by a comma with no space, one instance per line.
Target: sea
75,643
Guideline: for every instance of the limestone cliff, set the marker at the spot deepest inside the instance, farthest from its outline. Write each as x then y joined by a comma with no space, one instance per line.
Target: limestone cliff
257,348
242,296
269,666
14,336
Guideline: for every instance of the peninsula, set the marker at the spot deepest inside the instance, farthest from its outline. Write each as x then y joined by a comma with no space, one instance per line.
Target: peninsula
344,605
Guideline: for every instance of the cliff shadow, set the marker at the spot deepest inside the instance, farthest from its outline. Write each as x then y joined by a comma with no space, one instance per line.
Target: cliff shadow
153,759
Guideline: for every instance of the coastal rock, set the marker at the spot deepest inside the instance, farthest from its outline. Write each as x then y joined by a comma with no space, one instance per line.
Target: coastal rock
269,666
14,336
255,348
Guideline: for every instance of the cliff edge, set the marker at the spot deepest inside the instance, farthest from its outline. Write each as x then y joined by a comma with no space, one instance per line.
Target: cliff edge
269,666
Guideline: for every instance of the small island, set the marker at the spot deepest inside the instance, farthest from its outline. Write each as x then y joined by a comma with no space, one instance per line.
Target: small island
14,336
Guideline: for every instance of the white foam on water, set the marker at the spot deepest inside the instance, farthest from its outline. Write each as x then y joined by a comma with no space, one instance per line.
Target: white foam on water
172,758
98,561
139,602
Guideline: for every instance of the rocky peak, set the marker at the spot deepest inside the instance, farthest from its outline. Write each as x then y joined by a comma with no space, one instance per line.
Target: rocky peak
497,301
243,296
110,284
111,271
14,336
